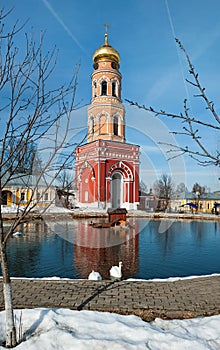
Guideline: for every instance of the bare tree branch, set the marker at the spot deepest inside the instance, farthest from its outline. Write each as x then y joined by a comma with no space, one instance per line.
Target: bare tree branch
203,155
35,122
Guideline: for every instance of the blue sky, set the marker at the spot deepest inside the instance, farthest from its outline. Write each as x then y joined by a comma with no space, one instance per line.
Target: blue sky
152,67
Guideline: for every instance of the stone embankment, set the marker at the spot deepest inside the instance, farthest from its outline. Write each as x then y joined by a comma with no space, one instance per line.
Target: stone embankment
84,213
184,298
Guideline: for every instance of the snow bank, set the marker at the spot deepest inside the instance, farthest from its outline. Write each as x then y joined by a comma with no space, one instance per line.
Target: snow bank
62,329
171,279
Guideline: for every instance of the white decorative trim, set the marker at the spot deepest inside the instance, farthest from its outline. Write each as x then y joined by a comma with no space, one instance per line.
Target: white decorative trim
103,78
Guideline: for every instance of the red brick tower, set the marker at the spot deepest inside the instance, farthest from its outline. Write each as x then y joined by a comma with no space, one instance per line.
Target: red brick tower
107,168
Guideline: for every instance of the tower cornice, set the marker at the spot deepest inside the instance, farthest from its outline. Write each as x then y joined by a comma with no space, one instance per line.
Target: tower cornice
107,101
107,70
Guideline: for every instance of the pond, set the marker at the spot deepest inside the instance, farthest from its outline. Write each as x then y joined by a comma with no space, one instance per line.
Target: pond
148,249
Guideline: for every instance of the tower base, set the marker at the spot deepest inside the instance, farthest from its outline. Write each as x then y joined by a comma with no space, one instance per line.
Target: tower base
107,175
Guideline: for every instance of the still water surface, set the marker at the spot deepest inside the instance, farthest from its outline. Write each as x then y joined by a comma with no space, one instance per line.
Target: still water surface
148,249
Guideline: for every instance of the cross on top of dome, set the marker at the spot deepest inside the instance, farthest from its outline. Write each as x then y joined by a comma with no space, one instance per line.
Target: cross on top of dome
106,51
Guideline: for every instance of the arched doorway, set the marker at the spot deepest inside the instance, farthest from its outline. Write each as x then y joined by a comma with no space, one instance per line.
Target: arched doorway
6,198
116,190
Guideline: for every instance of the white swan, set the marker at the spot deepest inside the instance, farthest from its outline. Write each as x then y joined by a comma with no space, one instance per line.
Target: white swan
94,276
115,271
17,234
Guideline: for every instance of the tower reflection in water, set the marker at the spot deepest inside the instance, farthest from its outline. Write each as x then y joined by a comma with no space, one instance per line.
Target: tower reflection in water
79,249
100,248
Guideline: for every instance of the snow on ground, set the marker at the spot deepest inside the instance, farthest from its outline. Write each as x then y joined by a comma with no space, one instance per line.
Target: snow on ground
9,209
172,279
169,279
59,329
13,209
53,209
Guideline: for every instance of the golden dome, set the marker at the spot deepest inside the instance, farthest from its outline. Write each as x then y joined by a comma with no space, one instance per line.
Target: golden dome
106,52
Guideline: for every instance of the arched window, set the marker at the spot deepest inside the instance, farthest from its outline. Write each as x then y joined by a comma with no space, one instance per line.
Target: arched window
114,89
115,126
91,125
104,88
95,89
119,91
102,125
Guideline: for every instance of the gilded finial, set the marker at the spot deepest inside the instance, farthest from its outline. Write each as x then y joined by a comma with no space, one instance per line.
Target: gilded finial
106,33
106,51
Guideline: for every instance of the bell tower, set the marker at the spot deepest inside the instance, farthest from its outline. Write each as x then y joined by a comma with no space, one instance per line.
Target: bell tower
107,168
106,112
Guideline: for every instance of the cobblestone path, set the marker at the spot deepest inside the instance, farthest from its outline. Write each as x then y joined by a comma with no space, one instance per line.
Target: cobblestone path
180,299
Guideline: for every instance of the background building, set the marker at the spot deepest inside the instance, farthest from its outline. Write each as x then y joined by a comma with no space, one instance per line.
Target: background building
22,191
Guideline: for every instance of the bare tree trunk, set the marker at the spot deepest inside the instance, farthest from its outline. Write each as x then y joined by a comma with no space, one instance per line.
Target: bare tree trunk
25,72
11,340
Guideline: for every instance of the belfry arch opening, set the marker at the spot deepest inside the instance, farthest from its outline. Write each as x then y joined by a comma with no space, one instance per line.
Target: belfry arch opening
104,88
116,190
95,89
114,89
